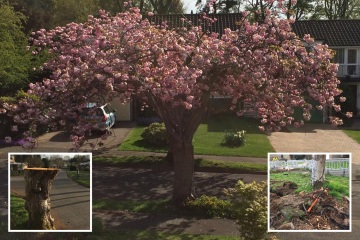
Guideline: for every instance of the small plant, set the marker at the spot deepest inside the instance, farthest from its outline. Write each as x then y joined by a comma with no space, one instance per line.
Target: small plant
156,135
249,207
233,138
210,206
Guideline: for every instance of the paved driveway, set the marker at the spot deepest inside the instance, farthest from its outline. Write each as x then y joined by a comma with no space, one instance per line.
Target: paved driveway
59,141
323,138
315,138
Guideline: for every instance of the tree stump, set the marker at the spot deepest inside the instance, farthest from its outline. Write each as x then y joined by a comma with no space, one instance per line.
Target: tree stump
37,191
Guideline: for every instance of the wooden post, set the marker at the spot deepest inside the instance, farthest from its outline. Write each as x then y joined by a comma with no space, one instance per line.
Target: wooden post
37,192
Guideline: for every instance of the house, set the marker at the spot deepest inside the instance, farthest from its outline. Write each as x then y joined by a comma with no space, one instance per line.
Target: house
130,111
343,36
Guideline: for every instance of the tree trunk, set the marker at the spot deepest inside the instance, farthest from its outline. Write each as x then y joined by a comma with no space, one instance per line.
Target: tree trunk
183,155
319,171
37,190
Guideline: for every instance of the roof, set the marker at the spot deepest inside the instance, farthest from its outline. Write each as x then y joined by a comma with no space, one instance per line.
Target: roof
332,32
223,21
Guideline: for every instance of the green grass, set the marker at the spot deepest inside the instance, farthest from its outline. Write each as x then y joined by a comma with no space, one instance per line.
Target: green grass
338,186
199,163
208,138
84,177
18,214
353,133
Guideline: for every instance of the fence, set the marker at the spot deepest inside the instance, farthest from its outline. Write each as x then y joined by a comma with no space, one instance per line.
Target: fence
337,167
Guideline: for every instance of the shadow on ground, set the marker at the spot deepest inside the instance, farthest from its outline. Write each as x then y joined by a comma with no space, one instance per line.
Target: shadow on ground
144,184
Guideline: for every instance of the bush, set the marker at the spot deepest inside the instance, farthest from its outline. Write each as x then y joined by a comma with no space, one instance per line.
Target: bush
210,206
249,207
156,135
233,138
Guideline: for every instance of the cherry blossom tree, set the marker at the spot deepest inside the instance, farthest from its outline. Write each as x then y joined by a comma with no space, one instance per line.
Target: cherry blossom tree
177,72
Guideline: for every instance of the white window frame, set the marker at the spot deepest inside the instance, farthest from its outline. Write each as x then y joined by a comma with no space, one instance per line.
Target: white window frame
344,67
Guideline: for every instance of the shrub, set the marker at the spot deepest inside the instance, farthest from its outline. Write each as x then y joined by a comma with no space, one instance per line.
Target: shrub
156,135
233,138
210,206
249,206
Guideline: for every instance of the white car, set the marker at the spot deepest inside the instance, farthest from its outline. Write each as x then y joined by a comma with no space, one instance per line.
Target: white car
100,117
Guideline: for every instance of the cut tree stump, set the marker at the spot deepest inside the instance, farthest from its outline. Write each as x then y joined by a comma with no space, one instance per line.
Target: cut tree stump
37,192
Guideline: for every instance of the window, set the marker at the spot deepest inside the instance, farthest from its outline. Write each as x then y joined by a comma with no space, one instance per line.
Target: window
339,55
347,60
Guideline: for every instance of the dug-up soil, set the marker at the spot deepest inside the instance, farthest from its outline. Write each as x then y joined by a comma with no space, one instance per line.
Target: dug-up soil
288,210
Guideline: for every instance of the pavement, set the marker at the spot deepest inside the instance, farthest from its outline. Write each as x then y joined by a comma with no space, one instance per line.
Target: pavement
129,183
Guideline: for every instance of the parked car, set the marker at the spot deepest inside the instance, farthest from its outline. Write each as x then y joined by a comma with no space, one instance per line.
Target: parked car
100,117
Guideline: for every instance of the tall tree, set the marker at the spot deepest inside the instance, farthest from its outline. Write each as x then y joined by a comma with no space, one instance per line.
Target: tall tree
298,10
67,11
156,6
337,9
177,73
167,6
38,12
15,61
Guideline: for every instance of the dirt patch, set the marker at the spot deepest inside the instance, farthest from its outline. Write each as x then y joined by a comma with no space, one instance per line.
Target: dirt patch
289,210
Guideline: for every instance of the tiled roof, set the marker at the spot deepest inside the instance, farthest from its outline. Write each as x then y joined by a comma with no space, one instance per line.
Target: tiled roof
223,21
332,32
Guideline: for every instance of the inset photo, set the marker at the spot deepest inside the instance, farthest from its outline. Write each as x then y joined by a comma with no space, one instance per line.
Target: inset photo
309,192
50,192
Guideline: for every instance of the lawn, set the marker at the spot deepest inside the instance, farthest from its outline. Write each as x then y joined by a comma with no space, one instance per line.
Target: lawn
84,177
338,186
353,133
209,136
18,214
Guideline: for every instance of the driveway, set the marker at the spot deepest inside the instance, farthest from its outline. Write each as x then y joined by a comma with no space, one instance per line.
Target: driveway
59,141
315,138
70,202
323,138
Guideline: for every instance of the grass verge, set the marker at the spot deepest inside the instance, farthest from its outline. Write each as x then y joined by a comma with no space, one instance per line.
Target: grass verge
200,164
353,133
18,214
84,177
338,186
208,138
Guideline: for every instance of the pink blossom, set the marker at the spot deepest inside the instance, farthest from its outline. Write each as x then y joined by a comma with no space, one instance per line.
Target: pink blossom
319,107
262,128
150,14
349,114
8,139
342,99
337,108
14,128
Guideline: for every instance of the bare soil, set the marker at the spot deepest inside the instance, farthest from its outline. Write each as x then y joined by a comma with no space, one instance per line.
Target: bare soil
288,210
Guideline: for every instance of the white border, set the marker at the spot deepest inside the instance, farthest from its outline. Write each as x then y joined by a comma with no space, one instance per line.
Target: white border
312,153
49,153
